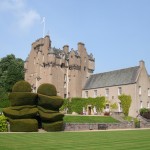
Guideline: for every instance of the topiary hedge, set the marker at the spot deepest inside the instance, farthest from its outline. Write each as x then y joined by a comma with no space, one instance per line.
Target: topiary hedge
47,89
24,113
22,86
23,125
46,110
22,98
50,102
56,126
51,117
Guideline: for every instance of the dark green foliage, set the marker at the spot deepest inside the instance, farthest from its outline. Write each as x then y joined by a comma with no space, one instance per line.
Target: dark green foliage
4,101
22,98
11,71
144,112
56,126
50,102
46,110
3,123
22,86
51,117
77,104
47,89
23,125
24,113
125,102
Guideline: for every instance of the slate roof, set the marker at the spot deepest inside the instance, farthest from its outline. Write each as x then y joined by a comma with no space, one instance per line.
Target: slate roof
112,78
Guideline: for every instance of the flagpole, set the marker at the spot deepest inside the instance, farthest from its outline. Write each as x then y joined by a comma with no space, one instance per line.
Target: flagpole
43,21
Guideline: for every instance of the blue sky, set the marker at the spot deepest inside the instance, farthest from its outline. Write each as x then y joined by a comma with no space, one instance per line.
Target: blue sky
116,32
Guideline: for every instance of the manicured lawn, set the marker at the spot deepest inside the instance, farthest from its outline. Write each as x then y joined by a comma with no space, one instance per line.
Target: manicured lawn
103,140
89,119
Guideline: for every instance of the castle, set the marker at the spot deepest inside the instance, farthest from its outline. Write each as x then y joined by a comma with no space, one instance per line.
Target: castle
72,74
67,70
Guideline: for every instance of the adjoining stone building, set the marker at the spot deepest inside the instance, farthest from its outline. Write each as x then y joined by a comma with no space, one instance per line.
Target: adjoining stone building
72,74
132,81
67,70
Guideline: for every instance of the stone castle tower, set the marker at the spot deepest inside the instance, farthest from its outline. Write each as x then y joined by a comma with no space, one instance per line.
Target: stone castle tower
67,70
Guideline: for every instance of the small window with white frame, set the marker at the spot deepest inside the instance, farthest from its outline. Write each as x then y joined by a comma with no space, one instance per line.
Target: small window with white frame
148,91
140,90
119,90
86,94
107,92
95,93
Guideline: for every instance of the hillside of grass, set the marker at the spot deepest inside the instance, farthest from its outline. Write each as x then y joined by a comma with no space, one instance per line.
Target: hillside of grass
89,119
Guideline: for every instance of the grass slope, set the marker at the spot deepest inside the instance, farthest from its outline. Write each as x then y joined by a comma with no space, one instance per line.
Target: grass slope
107,140
89,119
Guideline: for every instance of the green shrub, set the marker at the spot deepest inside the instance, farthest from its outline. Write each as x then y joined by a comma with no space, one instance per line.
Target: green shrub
47,89
3,124
50,102
51,117
144,112
22,98
22,86
23,125
56,126
24,113
125,102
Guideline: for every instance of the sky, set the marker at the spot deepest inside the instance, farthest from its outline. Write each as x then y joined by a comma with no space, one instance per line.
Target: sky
116,32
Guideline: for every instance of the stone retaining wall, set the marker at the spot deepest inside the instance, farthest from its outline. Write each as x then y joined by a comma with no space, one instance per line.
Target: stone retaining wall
96,126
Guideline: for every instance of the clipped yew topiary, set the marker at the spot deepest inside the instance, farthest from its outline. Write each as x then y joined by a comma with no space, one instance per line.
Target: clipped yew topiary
55,126
23,125
48,105
22,86
23,111
47,89
50,102
22,98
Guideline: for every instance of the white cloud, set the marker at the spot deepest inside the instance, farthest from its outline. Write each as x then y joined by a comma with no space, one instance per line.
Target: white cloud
25,17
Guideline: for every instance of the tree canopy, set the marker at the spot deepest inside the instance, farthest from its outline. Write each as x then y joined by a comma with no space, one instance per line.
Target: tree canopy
11,71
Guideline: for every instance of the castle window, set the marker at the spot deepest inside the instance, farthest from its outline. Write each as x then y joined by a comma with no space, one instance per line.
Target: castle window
84,68
140,90
141,104
62,65
148,91
95,93
107,92
119,90
65,77
86,94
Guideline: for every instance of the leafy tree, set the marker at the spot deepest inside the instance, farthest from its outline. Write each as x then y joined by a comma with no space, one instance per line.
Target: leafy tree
126,103
11,71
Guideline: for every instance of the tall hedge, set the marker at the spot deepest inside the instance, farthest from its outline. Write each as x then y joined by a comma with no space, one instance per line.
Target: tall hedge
126,103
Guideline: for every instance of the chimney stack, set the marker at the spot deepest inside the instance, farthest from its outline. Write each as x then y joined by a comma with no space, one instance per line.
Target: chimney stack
141,63
66,48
